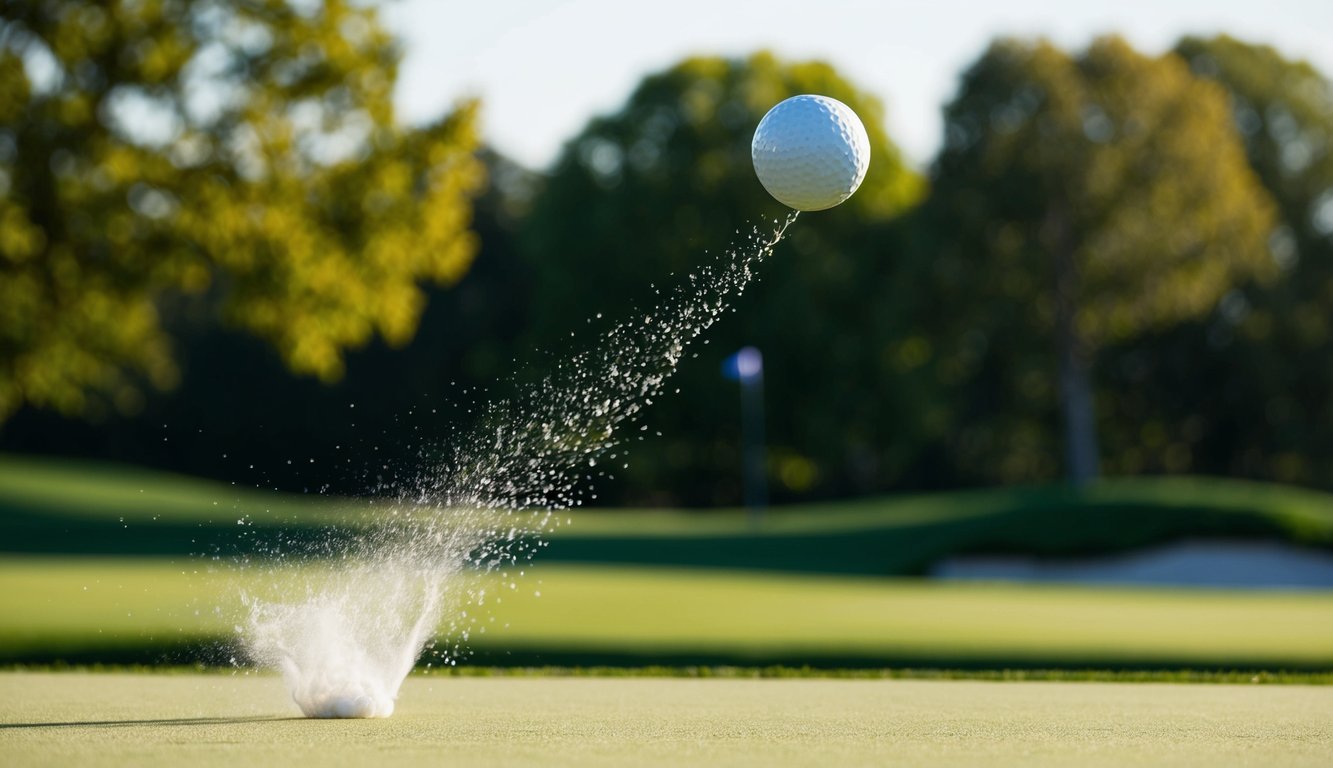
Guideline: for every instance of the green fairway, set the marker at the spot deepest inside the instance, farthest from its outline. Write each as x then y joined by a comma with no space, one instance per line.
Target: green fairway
904,535
764,619
806,585
121,609
159,720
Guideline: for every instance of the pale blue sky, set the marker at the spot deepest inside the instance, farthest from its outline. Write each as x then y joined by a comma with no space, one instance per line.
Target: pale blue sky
544,67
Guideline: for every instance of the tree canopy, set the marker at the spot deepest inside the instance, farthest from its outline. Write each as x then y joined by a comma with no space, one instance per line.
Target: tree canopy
217,192
1248,389
232,158
1079,201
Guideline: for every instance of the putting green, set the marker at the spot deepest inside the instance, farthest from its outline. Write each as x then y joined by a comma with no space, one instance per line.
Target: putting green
155,719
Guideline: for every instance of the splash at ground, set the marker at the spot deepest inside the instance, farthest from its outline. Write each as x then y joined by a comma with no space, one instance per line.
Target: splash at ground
374,597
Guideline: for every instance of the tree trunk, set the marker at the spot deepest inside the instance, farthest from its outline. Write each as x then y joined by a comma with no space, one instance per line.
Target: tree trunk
1082,463
1081,455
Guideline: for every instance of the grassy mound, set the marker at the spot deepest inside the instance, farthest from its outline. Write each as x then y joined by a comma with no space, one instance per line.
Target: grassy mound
73,508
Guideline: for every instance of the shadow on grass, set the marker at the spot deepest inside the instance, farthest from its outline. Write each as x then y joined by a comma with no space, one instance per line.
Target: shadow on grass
206,654
156,722
517,657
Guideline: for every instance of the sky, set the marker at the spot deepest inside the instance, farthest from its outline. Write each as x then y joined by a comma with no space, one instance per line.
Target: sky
543,68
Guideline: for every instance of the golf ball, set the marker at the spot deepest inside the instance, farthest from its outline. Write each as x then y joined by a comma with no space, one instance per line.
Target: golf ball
810,152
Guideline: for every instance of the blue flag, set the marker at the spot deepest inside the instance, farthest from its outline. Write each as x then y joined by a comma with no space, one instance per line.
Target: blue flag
746,365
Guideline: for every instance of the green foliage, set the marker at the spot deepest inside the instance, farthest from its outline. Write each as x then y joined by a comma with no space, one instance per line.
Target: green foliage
1078,202
1270,342
166,166
639,196
163,159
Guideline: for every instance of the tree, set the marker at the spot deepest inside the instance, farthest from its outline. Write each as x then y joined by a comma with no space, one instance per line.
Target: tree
643,193
1081,201
237,158
1248,389
390,412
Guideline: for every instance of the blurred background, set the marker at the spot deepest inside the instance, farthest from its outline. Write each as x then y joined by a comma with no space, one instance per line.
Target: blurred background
1076,325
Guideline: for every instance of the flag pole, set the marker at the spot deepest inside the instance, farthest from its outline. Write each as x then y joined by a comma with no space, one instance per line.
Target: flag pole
747,368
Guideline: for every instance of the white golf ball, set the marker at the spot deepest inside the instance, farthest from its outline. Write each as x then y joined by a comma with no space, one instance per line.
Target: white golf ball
810,152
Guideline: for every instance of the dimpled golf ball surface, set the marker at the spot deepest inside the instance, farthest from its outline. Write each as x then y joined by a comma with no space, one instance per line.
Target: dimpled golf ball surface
810,152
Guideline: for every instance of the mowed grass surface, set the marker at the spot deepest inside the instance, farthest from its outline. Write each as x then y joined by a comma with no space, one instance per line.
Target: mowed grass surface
93,491
905,535
73,507
97,566
57,507
120,609
752,619
160,720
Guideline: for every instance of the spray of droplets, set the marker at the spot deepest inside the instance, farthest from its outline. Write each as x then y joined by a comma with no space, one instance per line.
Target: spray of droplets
370,604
